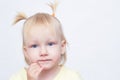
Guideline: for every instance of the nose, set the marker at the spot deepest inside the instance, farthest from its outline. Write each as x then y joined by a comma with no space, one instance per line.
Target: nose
43,51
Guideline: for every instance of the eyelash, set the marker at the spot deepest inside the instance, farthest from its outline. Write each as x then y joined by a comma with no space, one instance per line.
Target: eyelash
51,43
33,46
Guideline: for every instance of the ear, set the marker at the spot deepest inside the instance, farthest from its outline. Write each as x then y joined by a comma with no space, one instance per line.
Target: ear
63,46
25,51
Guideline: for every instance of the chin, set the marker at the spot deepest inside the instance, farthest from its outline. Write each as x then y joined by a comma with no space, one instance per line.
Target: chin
47,67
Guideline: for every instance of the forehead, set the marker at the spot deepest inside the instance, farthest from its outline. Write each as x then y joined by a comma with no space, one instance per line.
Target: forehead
41,32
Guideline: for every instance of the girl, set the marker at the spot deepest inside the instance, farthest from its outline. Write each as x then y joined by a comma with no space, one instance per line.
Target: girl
44,47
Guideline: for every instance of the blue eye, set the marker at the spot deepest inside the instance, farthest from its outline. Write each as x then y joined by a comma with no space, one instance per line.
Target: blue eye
51,43
34,46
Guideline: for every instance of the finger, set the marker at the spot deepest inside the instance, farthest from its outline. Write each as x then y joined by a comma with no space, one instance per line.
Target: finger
34,67
39,64
35,72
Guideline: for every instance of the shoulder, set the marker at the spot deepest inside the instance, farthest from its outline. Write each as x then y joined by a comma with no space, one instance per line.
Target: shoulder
69,74
20,75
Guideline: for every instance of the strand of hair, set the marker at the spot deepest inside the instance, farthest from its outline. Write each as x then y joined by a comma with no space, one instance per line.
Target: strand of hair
53,6
20,16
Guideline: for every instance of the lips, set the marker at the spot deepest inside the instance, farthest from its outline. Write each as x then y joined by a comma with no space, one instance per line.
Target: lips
44,60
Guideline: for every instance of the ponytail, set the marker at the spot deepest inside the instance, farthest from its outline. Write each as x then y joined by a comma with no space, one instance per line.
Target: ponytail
22,16
53,6
19,16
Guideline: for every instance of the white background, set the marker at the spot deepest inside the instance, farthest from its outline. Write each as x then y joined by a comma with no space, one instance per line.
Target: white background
92,28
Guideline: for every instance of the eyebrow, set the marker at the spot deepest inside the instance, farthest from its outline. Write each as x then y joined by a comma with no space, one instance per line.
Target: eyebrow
32,42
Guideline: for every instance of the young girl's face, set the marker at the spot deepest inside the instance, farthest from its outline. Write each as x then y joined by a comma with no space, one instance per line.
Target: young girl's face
43,46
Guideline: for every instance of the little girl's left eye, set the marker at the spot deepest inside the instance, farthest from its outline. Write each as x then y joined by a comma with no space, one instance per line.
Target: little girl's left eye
34,46
51,43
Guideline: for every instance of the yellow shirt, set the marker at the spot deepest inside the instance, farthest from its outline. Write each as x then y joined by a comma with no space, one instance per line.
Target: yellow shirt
64,74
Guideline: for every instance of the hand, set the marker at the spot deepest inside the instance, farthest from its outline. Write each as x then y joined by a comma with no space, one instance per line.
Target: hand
34,71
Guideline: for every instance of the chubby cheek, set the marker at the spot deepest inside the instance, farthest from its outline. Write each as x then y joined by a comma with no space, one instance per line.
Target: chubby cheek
33,55
55,52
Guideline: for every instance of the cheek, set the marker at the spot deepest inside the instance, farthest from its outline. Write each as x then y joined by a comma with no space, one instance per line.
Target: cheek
33,54
55,55
54,50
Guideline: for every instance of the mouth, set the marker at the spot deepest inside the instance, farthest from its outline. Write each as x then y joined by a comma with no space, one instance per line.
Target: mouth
44,60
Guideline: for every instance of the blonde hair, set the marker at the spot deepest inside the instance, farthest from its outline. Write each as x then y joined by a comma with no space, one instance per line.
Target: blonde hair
42,19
